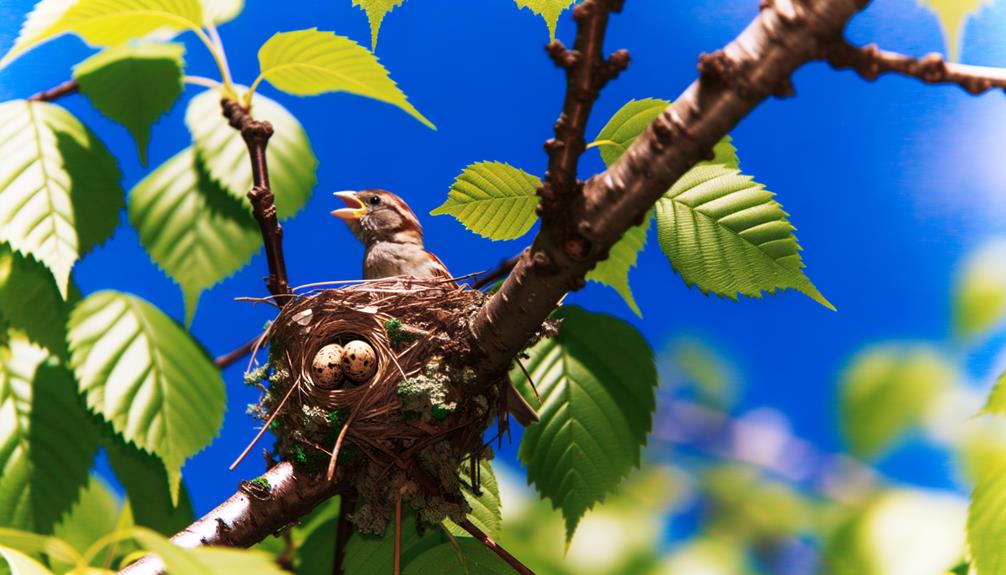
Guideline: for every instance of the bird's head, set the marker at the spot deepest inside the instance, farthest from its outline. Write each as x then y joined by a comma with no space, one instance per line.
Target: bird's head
379,216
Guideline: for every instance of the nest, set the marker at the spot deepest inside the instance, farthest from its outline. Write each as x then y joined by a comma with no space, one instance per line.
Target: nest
404,432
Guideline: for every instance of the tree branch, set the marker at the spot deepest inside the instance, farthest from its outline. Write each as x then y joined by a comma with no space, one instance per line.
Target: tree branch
870,62
344,529
495,547
732,82
501,271
256,135
64,89
250,515
226,360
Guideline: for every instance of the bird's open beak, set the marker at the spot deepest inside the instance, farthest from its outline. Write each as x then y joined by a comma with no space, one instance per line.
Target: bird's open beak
354,209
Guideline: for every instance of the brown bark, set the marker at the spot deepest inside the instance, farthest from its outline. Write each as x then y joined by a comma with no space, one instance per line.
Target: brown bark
64,89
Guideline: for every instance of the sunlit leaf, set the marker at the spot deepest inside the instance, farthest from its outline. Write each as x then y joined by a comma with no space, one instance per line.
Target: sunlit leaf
980,291
547,9
886,390
44,211
987,521
133,84
96,514
485,506
21,564
626,125
953,15
597,382
376,11
192,229
35,544
310,62
997,399
493,199
614,271
30,300
466,556
47,443
146,483
222,11
146,376
103,22
724,233
224,155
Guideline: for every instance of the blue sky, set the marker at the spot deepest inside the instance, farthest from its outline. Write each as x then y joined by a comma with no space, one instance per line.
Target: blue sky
889,183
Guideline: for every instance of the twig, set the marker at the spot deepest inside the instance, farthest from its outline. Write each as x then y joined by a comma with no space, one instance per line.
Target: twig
398,533
265,427
495,547
501,271
64,89
870,62
256,135
344,530
229,358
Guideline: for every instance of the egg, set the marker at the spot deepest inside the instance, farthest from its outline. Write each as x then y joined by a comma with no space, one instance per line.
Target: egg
359,361
327,366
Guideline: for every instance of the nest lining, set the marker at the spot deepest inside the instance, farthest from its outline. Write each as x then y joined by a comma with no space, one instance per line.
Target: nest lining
409,427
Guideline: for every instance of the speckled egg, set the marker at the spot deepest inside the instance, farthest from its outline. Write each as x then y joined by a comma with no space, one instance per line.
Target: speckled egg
359,361
327,366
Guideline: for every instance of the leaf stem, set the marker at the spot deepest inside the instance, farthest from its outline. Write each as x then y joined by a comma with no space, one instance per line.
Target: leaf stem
201,81
211,29
219,58
251,90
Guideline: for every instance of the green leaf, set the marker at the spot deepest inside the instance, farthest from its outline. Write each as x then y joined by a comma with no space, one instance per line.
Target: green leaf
987,521
134,85
95,515
493,199
598,386
146,376
30,300
547,9
373,555
311,62
34,544
224,155
103,22
485,512
953,15
614,270
222,11
980,291
47,443
192,229
147,487
724,233
376,11
59,186
465,556
626,125
888,389
21,564
997,399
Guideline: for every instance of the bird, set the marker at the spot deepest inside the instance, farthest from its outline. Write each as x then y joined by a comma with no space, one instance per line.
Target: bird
393,246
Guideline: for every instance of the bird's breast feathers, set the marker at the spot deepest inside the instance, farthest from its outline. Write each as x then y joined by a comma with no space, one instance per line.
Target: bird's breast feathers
384,259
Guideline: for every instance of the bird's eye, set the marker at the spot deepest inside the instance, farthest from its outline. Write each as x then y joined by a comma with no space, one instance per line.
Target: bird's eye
374,200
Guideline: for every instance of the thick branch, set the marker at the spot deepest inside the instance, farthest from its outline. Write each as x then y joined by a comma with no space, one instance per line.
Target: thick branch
733,81
250,515
870,62
256,135
64,89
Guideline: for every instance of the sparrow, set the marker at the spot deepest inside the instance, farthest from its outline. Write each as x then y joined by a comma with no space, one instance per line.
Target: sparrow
393,246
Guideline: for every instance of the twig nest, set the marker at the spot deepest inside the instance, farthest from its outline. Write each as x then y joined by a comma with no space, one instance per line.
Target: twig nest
359,361
327,368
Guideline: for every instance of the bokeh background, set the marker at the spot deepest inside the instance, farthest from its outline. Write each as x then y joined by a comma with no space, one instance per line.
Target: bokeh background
892,186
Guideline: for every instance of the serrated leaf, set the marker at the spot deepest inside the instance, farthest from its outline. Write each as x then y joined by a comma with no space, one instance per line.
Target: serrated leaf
192,229
103,22
465,556
953,15
485,513
550,10
724,233
224,155
614,270
21,564
376,11
30,301
134,85
987,521
626,125
145,375
493,199
373,555
311,62
146,483
59,186
95,515
46,440
980,292
886,390
222,11
597,382
997,399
